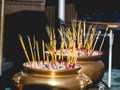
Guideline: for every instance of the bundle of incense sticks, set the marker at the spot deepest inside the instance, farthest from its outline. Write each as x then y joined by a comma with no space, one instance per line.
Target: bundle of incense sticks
81,37
78,40
51,48
63,43
34,49
33,56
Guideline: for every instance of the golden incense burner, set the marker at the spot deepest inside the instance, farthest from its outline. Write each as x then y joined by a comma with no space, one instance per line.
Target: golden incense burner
66,79
77,49
91,65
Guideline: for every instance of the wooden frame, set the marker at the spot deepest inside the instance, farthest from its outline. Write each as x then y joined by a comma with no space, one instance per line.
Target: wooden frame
1,34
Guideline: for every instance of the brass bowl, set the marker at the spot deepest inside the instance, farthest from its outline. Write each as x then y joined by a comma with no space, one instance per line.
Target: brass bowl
65,79
92,66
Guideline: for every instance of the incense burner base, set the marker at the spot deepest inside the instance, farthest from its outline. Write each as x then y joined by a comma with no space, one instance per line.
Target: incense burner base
59,82
92,68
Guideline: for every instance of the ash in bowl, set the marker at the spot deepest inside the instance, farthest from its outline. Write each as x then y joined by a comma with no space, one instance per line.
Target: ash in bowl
53,66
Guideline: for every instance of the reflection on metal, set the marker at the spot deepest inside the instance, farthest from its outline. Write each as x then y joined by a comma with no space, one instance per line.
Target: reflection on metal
1,34
66,79
93,69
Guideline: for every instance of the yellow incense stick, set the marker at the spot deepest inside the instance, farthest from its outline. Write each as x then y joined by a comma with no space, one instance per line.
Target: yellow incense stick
84,31
84,27
88,34
68,56
81,36
54,45
47,59
37,48
96,39
24,49
49,50
78,33
43,49
49,32
103,39
80,39
91,38
34,48
51,37
31,48
62,44
73,24
59,57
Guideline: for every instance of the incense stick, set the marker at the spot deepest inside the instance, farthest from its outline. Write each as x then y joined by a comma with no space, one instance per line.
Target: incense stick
29,41
88,35
24,49
62,44
91,38
34,48
49,32
47,59
84,27
37,48
103,39
43,49
84,30
96,39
